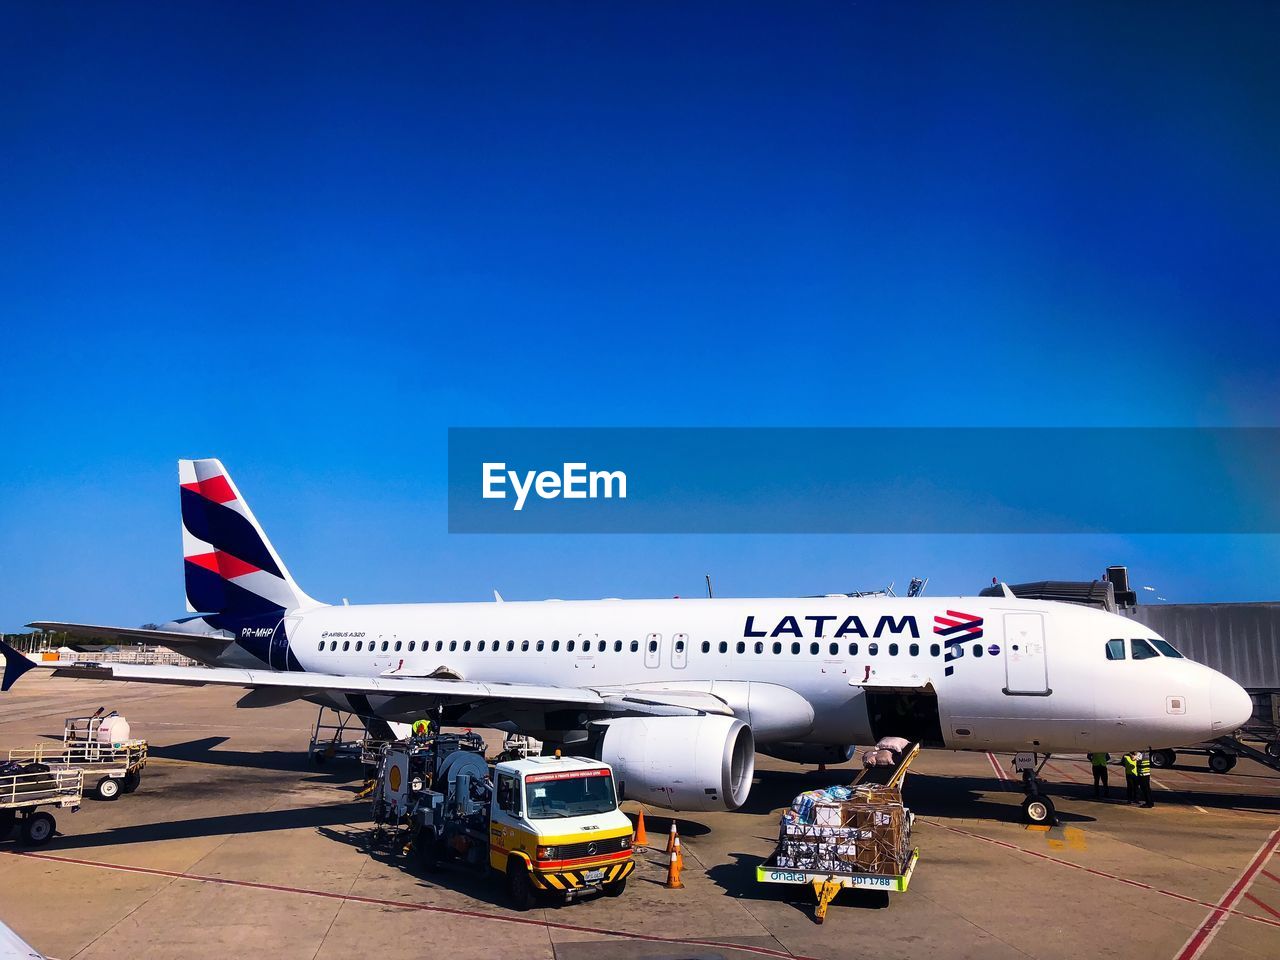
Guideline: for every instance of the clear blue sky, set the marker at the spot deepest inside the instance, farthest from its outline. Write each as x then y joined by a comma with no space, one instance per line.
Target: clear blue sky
308,238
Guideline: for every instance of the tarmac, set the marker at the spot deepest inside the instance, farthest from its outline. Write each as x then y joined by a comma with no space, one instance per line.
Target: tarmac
236,844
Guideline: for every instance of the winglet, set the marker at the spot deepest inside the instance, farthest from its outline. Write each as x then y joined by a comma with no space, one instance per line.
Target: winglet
15,665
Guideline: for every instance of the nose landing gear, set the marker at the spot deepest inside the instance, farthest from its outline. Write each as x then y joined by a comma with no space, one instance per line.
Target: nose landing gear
1037,808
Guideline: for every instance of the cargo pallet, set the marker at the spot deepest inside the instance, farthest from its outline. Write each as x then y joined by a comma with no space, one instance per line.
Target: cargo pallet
22,795
826,884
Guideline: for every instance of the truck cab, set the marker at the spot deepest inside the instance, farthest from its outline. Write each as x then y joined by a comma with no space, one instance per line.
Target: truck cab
555,826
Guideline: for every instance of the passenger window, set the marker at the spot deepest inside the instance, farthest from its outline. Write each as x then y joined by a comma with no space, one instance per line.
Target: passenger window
679,646
777,647
511,645
934,650
385,644
555,646
653,646
853,649
466,646
893,649
914,649
1142,650
397,646
724,647
524,646
873,648
569,646
412,645
439,645
542,645
321,647
480,646
1167,648
759,646
346,645
453,645
617,646
1115,649
795,648
814,648
706,646
333,645
834,649
977,649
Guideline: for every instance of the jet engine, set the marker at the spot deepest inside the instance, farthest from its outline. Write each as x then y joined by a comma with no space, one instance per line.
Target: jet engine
681,763
810,752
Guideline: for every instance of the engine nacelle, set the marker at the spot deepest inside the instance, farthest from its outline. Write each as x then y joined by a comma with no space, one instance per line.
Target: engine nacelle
681,763
810,752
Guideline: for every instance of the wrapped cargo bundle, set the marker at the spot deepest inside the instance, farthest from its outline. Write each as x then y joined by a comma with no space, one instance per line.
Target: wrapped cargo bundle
870,832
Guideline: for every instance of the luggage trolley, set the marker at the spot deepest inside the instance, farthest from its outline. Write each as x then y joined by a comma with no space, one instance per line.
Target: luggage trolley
111,767
827,884
24,788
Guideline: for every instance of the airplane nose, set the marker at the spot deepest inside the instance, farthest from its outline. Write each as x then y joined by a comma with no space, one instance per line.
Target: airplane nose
1230,704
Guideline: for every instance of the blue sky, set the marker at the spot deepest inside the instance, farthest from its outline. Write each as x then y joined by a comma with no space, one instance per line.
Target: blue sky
308,238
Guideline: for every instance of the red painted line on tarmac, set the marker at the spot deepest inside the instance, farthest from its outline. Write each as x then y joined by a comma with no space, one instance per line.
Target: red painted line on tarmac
1269,875
1069,776
1205,933
995,765
422,907
1108,876
1270,910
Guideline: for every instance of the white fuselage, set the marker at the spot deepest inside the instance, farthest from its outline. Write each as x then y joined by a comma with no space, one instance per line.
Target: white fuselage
1025,674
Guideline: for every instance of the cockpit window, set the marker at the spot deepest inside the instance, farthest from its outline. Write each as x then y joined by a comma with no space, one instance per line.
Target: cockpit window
1167,648
1115,649
1142,650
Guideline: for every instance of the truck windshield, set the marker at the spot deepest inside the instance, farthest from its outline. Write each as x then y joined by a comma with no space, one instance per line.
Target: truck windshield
570,794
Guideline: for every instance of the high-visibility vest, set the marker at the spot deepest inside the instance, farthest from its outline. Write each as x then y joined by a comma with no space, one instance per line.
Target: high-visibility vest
1098,759
421,728
1144,766
1130,764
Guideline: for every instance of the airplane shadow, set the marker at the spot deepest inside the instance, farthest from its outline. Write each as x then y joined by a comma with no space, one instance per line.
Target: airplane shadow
336,771
263,821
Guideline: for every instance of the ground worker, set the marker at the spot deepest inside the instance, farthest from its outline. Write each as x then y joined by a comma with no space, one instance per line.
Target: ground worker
1130,762
421,728
1099,763
1144,778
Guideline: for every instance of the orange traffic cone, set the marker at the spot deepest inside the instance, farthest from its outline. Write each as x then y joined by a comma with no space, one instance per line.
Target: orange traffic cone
674,867
641,838
672,838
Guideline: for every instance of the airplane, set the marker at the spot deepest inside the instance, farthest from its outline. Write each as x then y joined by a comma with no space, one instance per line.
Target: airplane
678,695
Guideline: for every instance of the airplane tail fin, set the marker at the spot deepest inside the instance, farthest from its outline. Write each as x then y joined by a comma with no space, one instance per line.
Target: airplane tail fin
232,570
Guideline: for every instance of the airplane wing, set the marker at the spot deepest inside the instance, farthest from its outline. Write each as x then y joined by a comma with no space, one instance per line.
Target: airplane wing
167,638
273,687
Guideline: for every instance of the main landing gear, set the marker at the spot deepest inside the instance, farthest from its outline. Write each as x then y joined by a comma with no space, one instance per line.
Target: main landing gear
1037,808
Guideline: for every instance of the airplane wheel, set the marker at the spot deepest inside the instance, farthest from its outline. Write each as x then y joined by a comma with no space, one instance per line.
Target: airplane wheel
1163,758
108,789
1220,762
38,829
1038,810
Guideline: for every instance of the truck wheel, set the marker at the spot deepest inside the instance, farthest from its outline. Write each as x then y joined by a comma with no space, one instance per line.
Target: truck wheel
7,818
616,888
38,829
519,886
1220,762
132,779
1162,759
1038,810
108,788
